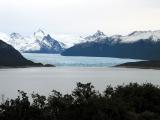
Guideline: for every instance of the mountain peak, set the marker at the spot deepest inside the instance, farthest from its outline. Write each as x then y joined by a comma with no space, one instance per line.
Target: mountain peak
39,32
99,33
138,32
97,36
15,35
48,37
142,35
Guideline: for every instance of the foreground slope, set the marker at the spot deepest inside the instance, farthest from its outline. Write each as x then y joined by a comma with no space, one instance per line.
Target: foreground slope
10,57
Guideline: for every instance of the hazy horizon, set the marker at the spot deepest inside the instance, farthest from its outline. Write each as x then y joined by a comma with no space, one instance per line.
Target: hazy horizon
79,17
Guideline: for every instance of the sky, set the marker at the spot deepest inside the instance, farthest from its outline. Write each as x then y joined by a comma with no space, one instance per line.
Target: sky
80,17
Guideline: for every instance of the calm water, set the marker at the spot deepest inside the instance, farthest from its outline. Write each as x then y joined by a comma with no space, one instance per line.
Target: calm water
59,60
63,79
72,70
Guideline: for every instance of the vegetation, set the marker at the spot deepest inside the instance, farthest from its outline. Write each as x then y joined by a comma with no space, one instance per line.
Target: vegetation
127,102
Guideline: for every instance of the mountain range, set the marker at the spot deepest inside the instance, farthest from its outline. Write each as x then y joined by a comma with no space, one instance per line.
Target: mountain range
39,42
137,45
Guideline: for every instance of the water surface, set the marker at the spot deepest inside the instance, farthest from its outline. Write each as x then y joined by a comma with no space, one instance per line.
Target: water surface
64,79
68,72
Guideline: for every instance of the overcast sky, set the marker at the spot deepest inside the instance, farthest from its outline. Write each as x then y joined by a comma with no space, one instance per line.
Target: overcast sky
79,16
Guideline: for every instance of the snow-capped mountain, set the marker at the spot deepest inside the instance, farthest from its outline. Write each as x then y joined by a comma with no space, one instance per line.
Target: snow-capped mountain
39,42
4,36
132,37
67,40
140,35
137,45
95,37
44,43
71,40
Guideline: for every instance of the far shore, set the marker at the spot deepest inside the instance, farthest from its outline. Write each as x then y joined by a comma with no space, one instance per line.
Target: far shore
137,67
27,66
150,64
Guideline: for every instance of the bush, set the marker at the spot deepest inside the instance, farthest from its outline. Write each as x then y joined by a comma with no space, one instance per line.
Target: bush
129,102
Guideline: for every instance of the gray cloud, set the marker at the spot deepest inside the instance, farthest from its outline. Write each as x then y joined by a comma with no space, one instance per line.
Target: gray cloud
79,16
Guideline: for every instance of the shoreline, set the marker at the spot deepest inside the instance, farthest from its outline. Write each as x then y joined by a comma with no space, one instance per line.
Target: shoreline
82,67
137,67
27,66
150,64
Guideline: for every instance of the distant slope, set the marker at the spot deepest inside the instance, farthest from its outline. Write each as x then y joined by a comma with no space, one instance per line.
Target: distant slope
71,40
67,40
10,57
39,42
152,64
137,45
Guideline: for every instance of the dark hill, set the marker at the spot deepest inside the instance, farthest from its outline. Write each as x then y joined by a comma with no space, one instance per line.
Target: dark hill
142,49
152,64
10,57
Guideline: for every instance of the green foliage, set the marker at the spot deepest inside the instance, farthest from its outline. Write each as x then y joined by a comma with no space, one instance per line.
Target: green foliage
127,102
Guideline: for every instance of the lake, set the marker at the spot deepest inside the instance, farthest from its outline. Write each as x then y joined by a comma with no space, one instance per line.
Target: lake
64,79
65,76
